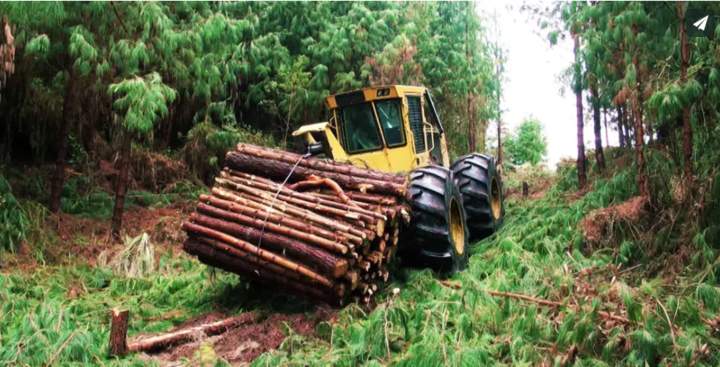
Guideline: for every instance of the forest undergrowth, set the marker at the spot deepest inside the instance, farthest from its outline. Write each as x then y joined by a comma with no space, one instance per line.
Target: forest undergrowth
537,292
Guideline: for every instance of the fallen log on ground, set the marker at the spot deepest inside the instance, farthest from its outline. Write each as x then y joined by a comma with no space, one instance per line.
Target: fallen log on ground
320,229
119,345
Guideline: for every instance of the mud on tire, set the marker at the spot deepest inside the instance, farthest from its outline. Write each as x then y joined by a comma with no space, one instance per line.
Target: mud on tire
480,185
437,236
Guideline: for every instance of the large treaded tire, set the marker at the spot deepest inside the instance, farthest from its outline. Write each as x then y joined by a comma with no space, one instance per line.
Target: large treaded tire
481,188
437,236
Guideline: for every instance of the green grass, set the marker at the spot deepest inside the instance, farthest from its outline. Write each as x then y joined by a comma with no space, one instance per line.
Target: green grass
14,224
60,314
80,198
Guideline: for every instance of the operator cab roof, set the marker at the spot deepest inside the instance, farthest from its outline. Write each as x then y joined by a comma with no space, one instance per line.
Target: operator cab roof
368,94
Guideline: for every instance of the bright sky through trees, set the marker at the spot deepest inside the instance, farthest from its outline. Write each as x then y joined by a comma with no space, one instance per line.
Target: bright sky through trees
532,85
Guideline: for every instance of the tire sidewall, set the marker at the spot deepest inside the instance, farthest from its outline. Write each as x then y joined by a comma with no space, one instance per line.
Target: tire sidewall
452,192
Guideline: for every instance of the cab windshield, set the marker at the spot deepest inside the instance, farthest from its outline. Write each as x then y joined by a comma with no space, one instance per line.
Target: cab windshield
360,128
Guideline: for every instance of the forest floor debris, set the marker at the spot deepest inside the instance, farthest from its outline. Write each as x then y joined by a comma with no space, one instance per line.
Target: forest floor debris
242,344
597,225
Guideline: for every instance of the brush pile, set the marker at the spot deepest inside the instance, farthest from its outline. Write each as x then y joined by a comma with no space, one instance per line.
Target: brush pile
317,228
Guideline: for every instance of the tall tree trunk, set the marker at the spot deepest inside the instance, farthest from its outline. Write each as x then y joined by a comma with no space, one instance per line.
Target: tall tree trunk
642,180
499,141
607,134
621,128
582,175
472,128
59,178
684,61
599,155
628,116
121,184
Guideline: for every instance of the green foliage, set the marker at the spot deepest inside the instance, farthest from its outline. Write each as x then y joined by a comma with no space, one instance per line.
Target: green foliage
39,46
270,65
207,144
428,324
538,252
142,101
14,224
527,144
82,197
42,323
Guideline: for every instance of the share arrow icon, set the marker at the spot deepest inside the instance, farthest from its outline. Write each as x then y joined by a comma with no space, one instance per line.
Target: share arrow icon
701,23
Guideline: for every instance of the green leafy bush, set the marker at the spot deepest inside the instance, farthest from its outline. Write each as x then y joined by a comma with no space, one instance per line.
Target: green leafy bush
14,224
527,144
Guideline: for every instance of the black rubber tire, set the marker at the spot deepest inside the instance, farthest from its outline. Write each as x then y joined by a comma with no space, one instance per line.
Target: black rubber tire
428,241
474,174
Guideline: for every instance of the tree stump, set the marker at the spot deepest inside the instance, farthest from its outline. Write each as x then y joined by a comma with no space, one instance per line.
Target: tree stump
525,189
118,332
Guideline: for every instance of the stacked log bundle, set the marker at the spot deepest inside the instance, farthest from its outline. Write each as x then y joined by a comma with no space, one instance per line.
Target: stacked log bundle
317,228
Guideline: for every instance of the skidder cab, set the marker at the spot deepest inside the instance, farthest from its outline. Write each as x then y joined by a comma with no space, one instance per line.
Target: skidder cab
397,129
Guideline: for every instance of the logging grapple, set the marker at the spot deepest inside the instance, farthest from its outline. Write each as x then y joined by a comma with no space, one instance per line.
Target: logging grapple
372,181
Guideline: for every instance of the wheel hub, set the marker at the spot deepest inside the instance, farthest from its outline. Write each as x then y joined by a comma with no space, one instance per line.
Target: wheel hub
457,227
495,204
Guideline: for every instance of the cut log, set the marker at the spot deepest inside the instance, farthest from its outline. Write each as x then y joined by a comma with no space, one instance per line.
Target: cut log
318,164
300,213
329,200
315,257
253,224
241,206
248,207
269,274
160,342
279,170
264,254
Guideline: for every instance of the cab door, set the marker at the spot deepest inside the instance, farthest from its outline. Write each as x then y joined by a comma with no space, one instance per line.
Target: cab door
416,127
361,138
399,151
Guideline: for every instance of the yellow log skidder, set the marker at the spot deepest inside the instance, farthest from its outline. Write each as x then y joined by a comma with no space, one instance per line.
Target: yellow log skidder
397,129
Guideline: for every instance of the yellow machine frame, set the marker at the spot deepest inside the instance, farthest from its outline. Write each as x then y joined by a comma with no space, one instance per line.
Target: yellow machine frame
389,159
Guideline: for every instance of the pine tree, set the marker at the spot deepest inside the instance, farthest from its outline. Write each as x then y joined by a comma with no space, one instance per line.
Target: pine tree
577,88
140,102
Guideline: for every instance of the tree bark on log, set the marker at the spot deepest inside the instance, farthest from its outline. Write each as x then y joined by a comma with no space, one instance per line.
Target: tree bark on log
264,254
314,243
239,205
319,165
280,170
244,261
160,342
213,255
270,227
306,202
322,260
291,209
